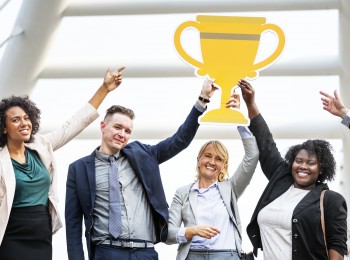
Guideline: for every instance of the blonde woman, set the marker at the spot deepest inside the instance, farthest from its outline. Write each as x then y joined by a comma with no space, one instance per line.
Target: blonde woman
208,207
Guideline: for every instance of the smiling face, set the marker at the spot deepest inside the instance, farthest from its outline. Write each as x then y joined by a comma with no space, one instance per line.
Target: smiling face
305,170
210,164
18,125
116,131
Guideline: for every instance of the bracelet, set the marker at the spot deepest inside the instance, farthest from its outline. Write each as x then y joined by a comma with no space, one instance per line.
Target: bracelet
203,99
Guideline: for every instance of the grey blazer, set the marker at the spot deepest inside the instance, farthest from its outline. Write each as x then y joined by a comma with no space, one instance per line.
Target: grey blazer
184,204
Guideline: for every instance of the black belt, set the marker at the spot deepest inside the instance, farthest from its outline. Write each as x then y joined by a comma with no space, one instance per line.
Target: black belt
127,244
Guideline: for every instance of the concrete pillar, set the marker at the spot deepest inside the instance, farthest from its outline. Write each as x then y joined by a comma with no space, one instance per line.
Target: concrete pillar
24,57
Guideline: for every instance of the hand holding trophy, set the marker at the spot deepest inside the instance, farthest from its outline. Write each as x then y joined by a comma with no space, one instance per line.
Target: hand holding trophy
229,45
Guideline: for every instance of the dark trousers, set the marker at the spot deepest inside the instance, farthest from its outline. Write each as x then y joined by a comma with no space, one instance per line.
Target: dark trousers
107,252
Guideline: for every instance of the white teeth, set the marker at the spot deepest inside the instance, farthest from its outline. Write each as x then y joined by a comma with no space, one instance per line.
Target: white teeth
210,168
302,174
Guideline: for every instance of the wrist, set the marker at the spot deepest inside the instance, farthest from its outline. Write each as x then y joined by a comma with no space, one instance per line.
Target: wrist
344,111
190,232
105,87
204,95
253,110
204,99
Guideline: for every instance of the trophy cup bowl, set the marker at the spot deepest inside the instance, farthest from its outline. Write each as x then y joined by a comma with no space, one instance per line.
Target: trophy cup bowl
229,45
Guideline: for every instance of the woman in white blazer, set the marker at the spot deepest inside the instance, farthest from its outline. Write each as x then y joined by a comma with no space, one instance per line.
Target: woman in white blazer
28,194
208,208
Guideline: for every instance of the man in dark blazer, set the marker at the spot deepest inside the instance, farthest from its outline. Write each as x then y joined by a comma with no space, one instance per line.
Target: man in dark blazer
144,210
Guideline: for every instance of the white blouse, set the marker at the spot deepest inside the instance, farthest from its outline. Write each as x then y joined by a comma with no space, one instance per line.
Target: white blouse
276,226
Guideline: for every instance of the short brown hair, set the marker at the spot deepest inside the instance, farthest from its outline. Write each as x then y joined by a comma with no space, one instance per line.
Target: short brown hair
116,109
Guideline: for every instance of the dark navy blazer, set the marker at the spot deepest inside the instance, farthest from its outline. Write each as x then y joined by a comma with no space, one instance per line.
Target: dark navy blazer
145,160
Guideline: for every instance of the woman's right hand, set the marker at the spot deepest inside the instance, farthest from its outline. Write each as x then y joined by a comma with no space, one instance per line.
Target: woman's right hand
204,231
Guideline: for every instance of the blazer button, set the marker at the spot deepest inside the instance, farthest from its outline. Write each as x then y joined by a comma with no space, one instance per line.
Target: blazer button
295,252
295,220
295,236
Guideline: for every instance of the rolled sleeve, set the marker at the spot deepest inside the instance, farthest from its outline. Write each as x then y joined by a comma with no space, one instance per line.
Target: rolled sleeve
181,235
244,132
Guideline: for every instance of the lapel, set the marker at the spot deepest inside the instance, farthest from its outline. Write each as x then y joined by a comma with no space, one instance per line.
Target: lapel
8,175
128,152
91,175
225,192
311,197
192,197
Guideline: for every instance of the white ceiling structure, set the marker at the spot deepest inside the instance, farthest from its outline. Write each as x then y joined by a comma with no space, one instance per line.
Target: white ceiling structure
65,47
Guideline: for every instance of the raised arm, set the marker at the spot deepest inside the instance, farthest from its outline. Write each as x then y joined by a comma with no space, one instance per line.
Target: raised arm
111,81
85,115
248,94
269,156
244,173
171,146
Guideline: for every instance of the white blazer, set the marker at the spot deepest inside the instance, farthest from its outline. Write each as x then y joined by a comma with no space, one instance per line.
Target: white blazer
183,208
45,145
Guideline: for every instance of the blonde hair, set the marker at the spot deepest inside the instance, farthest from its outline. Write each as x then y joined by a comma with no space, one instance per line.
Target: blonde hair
221,150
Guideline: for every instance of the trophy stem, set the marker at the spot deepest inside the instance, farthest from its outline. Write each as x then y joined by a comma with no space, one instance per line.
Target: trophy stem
225,96
223,114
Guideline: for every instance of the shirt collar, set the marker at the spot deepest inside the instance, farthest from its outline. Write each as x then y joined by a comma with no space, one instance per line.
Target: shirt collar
104,157
196,186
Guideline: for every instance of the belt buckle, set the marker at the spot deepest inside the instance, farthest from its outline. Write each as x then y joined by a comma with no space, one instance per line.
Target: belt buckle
127,244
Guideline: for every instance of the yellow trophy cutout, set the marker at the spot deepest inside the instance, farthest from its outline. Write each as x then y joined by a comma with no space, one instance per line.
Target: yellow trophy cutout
229,45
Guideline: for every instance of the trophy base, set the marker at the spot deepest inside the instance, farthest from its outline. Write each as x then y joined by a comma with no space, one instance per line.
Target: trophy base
224,116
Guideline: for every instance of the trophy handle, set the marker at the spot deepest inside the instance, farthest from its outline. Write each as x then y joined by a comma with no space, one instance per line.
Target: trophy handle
178,46
278,50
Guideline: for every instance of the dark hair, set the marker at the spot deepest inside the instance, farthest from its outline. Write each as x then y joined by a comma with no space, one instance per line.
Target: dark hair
120,110
323,151
28,106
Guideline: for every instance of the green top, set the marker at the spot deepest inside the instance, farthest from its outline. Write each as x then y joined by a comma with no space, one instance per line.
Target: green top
32,181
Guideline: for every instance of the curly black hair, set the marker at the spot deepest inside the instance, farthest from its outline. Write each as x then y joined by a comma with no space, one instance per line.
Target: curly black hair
323,151
28,106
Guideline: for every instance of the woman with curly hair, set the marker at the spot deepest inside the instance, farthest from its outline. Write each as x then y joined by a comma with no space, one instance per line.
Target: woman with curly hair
208,207
28,194
286,223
